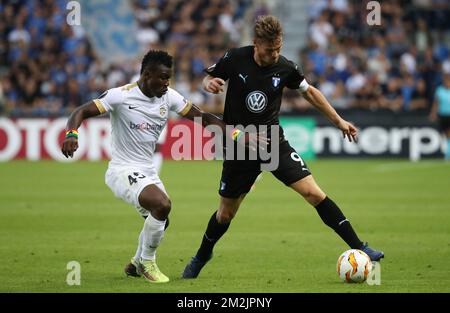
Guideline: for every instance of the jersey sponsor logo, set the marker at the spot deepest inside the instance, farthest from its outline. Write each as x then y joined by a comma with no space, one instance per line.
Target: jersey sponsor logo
243,77
145,126
276,81
256,101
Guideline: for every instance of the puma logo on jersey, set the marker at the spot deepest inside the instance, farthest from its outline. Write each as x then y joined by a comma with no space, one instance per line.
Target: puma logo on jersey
243,77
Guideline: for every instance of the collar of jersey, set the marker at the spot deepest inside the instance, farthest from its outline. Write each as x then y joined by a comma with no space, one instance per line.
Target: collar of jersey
151,99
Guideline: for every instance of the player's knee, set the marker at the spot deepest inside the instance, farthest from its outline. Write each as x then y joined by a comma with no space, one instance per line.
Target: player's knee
313,196
164,207
160,208
224,217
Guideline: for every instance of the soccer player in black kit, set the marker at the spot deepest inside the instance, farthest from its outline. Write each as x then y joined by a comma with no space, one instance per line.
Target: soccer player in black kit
256,77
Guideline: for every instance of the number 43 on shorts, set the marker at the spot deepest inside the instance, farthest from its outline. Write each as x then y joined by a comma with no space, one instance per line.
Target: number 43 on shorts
133,179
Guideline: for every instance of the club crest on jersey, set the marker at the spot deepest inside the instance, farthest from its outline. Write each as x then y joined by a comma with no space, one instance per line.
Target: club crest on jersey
162,111
256,101
276,81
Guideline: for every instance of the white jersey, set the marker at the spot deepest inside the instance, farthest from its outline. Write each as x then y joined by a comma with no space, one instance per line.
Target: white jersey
137,121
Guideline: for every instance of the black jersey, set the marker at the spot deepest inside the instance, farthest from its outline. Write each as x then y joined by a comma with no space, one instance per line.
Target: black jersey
254,92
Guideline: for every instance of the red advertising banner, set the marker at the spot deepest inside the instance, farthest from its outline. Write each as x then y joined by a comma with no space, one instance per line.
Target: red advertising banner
36,139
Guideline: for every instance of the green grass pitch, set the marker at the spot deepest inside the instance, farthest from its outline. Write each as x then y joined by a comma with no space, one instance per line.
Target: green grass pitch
52,213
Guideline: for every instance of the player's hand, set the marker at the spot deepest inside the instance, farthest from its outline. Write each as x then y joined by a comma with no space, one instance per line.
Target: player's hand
69,146
348,130
255,140
215,85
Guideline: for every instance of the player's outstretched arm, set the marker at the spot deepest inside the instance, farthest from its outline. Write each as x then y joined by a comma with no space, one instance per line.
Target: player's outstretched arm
318,100
247,139
70,143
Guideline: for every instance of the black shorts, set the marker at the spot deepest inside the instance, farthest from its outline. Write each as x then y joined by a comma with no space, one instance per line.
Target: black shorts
444,122
239,176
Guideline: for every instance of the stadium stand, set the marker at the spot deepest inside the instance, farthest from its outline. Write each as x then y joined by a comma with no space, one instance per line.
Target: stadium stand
47,68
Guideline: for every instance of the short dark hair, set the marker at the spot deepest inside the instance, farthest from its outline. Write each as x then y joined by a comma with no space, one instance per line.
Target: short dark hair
267,28
156,57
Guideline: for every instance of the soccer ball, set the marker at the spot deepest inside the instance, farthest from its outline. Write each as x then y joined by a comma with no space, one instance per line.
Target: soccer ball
354,266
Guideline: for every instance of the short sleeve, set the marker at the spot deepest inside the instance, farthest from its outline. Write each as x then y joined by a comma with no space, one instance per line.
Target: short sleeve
109,100
296,78
222,68
177,103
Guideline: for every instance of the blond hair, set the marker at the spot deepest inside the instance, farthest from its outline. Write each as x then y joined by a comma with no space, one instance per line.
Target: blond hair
267,28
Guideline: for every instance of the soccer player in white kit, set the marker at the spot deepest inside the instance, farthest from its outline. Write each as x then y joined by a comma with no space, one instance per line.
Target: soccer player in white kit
138,113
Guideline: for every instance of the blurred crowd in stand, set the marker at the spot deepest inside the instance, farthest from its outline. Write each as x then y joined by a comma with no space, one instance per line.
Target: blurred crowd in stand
394,66
47,67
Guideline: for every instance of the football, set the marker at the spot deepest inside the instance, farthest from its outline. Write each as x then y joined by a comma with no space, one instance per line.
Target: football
354,266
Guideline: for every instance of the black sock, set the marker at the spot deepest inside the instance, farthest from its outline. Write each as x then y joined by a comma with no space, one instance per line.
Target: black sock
211,236
333,217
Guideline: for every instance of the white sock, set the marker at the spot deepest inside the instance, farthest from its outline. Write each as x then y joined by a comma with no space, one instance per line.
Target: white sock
139,248
158,161
153,234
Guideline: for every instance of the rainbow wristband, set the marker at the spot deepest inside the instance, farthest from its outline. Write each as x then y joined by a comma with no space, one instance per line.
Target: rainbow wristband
72,133
236,134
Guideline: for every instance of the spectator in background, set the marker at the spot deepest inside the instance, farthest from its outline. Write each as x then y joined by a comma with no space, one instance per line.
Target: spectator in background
2,96
392,98
379,65
419,96
422,38
321,30
441,111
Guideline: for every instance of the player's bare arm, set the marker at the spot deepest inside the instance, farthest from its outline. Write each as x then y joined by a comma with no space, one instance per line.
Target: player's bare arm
248,139
87,110
213,84
318,100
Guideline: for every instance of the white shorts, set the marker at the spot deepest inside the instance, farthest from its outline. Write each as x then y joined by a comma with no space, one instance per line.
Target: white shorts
127,183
